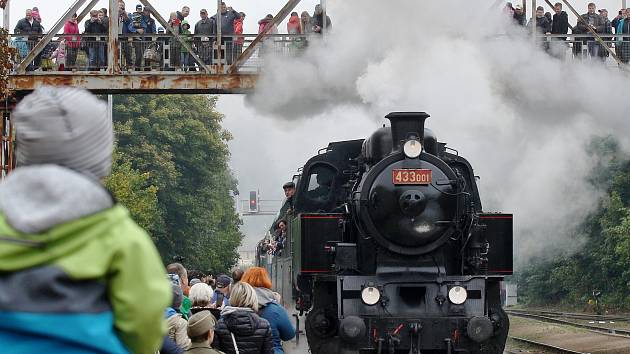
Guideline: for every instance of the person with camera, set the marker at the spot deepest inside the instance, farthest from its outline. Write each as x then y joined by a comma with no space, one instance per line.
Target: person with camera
138,27
318,20
228,15
96,49
594,22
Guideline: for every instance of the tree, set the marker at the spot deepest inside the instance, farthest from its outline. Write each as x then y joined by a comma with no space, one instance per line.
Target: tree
7,60
180,141
604,261
132,189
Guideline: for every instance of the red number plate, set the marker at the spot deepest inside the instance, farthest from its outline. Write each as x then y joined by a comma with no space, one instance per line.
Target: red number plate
411,176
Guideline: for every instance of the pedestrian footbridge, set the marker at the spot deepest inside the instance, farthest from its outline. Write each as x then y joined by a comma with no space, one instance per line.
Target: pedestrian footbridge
112,63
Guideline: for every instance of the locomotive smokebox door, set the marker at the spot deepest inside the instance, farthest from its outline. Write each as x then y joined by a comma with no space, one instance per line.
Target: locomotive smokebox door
499,234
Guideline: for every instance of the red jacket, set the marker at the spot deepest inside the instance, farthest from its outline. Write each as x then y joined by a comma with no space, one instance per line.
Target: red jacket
72,28
238,29
293,26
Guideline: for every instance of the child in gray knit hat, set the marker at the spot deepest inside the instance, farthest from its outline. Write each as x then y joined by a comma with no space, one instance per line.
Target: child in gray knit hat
60,229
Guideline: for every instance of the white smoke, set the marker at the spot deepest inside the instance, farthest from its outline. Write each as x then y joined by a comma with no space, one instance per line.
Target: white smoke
522,118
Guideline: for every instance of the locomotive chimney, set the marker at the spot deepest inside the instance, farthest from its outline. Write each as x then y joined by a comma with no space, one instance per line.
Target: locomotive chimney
406,124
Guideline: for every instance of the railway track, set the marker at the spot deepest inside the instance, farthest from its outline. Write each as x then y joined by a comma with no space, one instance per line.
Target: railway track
603,330
546,347
577,316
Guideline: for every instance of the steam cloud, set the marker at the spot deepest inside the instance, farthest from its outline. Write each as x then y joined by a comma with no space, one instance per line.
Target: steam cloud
521,117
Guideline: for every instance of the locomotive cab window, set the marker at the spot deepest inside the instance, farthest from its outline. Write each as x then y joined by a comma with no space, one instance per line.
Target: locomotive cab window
320,184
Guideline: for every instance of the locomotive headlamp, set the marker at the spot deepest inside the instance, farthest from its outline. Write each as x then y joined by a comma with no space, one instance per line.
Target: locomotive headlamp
370,295
412,148
457,295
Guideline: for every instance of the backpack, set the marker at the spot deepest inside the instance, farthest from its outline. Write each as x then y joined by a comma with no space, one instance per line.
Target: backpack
151,53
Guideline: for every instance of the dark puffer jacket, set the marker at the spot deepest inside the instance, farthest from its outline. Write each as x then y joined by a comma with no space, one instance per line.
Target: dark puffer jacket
252,333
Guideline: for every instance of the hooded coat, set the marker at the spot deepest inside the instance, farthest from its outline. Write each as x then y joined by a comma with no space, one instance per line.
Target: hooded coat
70,27
177,327
278,318
293,26
78,275
252,333
264,23
186,36
238,29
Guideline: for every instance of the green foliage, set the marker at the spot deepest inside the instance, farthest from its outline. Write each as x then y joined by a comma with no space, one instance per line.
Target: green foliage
7,60
604,261
180,142
132,189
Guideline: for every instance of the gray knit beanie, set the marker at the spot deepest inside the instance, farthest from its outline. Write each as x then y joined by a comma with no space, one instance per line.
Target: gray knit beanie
67,127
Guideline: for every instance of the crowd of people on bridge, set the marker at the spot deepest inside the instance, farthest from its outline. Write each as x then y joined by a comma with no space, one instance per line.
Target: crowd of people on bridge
593,21
79,275
145,46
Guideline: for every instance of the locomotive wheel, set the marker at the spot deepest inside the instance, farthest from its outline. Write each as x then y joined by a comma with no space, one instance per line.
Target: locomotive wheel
322,323
321,329
496,343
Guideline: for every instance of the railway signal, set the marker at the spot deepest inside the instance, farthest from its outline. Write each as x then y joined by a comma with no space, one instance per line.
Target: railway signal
253,202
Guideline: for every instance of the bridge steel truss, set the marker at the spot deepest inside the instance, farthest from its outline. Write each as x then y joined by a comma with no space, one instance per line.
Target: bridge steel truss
212,79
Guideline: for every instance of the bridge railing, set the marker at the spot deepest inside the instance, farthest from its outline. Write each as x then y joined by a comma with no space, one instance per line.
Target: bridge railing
584,46
88,53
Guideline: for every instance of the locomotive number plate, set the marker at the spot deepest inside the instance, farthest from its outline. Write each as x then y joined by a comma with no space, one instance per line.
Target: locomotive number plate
411,176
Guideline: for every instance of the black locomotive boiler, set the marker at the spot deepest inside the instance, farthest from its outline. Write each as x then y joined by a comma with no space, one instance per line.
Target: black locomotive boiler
388,249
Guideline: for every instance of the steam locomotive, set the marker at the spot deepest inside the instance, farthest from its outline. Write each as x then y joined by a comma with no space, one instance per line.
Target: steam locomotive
388,249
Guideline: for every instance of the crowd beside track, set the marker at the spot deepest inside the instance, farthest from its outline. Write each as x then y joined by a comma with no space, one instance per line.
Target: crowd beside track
78,275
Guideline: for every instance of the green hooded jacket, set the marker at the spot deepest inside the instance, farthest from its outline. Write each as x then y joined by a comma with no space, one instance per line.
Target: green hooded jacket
103,251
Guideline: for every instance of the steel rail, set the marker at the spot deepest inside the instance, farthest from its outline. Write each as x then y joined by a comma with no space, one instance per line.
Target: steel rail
602,330
545,346
577,316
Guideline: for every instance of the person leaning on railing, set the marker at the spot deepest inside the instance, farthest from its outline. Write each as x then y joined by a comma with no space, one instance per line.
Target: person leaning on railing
596,23
33,28
124,20
96,49
73,42
228,15
623,43
559,25
138,26
175,46
186,36
238,30
205,29
542,27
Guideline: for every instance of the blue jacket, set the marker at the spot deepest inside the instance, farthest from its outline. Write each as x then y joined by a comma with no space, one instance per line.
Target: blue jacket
278,318
125,24
143,25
